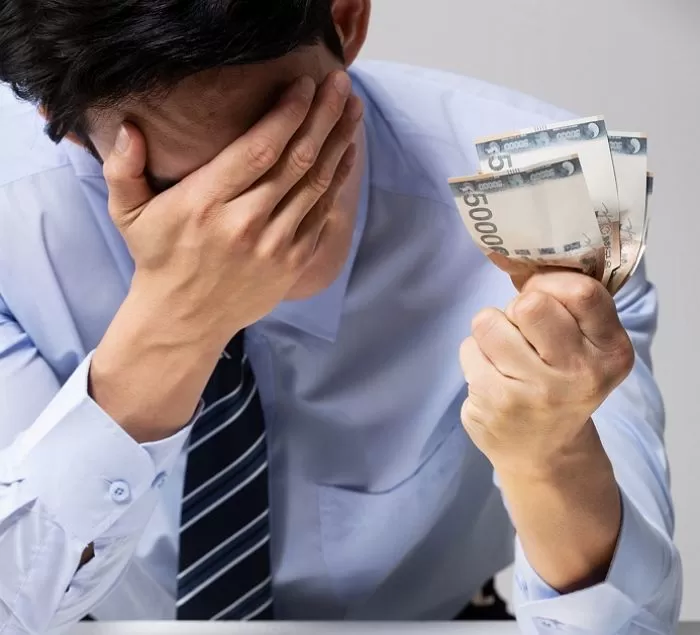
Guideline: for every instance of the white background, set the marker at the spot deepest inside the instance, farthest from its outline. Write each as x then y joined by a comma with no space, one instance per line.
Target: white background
638,63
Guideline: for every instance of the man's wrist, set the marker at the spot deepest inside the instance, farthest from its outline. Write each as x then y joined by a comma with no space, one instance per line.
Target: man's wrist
568,513
151,367
556,464
176,318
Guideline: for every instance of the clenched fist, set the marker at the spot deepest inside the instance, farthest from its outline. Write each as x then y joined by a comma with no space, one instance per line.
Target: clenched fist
539,370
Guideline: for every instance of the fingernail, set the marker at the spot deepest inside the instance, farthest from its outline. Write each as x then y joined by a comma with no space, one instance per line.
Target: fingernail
306,87
342,84
121,145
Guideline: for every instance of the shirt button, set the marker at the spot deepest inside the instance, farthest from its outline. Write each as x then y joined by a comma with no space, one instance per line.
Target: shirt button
120,492
160,480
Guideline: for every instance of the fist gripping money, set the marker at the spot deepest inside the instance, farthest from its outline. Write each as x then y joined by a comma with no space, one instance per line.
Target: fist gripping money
539,370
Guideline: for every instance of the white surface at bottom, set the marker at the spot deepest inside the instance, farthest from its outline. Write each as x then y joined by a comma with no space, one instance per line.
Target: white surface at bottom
311,628
297,628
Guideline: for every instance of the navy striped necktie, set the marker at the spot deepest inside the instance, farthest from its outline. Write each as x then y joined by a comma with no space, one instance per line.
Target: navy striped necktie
224,571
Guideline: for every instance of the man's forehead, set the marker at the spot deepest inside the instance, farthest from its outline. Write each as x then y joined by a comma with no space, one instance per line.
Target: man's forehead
233,97
195,122
187,132
191,123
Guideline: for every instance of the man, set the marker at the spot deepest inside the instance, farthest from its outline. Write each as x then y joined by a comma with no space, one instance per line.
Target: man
236,196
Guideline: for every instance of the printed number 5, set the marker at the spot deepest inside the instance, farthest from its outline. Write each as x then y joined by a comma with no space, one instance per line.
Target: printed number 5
497,163
473,199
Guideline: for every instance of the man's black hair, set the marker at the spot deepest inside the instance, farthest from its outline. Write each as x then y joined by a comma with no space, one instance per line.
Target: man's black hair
72,55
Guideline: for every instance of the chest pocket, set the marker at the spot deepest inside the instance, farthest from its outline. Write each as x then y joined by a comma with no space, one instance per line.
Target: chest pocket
365,536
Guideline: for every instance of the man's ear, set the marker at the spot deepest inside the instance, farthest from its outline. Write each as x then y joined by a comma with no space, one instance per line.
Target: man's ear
70,136
351,18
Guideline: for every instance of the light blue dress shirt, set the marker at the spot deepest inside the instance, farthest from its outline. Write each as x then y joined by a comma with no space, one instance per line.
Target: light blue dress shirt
381,507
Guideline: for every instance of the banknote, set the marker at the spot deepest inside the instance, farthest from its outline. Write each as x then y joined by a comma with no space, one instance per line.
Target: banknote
586,138
647,216
645,232
629,153
650,191
527,218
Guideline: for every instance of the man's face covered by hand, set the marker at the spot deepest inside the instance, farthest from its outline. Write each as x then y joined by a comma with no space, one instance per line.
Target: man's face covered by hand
188,126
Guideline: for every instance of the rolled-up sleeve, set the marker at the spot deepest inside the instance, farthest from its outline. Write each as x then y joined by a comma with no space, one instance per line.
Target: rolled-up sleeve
642,592
69,477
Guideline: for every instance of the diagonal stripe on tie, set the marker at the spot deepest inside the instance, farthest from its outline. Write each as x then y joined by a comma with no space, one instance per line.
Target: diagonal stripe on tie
241,559
244,571
258,445
242,602
216,554
224,533
218,494
236,408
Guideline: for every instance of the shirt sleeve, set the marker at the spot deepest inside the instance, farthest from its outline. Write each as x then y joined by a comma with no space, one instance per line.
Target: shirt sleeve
642,592
69,476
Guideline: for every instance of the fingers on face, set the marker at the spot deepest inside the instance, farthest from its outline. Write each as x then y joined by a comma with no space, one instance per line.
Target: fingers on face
259,150
284,146
302,230
325,177
309,174
124,174
313,154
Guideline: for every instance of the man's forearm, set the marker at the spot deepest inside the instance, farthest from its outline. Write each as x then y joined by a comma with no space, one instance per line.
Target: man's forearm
567,516
149,371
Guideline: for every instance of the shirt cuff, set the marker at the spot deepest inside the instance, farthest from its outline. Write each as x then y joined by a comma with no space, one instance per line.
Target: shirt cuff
641,563
83,467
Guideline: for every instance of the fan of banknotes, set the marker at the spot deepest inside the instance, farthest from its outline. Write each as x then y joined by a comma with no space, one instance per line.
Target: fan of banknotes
567,195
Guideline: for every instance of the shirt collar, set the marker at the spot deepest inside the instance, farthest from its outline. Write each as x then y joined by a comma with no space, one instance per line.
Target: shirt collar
321,314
